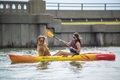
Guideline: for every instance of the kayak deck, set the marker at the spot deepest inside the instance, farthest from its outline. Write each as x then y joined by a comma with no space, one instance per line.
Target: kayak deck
93,56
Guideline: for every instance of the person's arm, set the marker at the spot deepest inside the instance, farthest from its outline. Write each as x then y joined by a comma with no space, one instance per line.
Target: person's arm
66,43
78,47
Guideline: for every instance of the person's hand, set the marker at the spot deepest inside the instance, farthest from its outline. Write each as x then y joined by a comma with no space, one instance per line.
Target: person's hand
60,40
71,48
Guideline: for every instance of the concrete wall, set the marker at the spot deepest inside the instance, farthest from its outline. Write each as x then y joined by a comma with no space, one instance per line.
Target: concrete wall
84,14
92,35
22,22
22,30
0,36
19,35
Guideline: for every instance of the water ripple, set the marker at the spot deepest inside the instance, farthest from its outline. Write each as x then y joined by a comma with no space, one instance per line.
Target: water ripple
60,70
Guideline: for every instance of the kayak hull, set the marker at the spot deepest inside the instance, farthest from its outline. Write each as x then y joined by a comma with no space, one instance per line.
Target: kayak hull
90,56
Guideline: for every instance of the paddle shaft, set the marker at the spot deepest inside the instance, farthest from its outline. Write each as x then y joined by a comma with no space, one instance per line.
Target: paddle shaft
56,38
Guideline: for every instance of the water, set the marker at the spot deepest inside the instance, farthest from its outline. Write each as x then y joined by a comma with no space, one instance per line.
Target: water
57,70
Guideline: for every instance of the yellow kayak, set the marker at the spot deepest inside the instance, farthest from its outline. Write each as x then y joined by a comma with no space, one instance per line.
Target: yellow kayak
89,56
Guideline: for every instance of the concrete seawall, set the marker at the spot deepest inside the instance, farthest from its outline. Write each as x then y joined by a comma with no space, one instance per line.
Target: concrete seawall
71,14
92,35
22,30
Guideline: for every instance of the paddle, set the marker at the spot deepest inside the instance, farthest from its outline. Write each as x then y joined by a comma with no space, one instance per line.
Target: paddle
50,34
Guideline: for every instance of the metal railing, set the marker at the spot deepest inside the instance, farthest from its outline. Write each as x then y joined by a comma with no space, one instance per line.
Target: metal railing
83,6
24,7
14,7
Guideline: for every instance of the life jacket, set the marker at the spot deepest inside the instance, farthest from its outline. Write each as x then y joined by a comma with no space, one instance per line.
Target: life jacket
73,44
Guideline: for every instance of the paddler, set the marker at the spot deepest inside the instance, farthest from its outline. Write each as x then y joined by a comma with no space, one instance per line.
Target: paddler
74,45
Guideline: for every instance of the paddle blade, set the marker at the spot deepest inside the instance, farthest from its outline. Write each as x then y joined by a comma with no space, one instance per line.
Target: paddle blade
49,33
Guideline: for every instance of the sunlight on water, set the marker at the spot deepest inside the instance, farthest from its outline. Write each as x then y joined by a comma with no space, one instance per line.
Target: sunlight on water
59,70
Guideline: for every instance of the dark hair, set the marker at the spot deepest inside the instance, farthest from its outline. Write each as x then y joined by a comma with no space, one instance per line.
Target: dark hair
78,37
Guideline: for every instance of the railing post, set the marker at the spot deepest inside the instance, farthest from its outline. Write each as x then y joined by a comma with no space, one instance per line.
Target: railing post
58,6
105,7
82,6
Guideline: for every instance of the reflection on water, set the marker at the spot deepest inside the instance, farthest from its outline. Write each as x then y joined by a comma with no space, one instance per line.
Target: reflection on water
77,64
43,65
59,70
